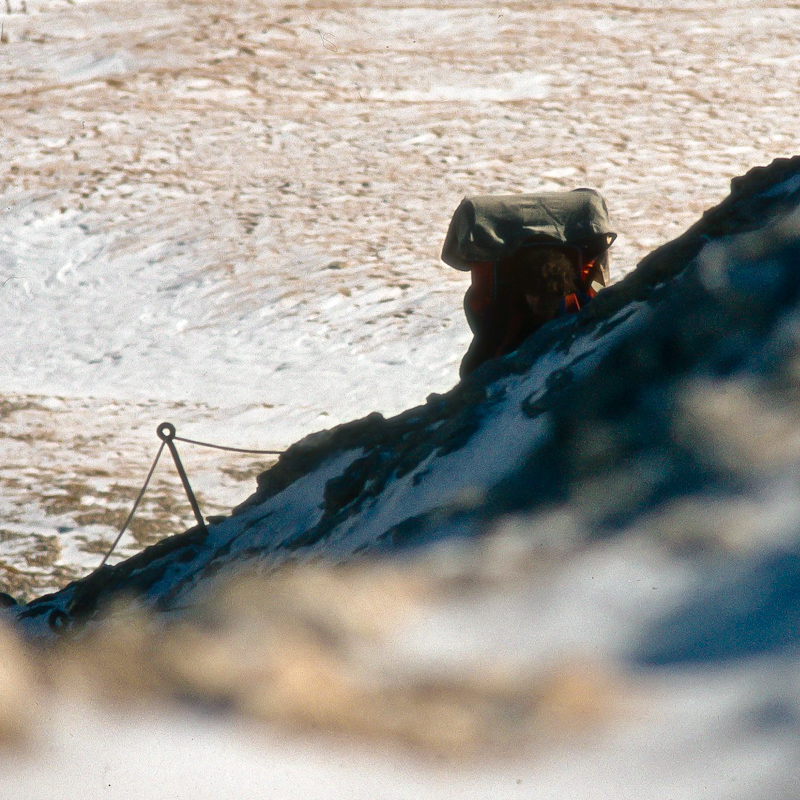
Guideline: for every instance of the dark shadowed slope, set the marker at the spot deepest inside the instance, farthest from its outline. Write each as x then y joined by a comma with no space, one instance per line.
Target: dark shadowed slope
603,411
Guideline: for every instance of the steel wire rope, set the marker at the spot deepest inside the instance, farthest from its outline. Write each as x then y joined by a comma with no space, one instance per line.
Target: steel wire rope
135,505
166,432
231,449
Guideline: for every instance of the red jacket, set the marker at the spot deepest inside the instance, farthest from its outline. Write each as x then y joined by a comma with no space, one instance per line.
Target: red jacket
500,320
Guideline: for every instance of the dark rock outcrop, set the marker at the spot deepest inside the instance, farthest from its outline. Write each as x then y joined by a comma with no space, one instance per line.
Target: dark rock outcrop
595,411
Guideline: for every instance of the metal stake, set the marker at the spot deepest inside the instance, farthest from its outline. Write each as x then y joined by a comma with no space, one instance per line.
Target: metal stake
166,432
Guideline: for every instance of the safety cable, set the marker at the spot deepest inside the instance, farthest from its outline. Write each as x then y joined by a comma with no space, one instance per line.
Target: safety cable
135,505
166,432
231,449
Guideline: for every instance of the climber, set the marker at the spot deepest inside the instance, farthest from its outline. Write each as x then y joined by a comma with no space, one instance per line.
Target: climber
532,258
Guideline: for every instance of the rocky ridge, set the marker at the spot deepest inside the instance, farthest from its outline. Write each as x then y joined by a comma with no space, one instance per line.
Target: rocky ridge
617,415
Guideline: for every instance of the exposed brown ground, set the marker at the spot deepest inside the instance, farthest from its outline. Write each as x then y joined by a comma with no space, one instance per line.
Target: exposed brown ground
71,471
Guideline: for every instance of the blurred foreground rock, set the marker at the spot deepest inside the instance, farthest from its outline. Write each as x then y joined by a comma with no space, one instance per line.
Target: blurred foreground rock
342,650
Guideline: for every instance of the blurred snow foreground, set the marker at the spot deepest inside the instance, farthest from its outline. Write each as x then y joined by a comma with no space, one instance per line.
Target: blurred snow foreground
594,540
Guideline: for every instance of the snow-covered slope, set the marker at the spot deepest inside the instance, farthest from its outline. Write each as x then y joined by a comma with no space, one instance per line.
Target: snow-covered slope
616,413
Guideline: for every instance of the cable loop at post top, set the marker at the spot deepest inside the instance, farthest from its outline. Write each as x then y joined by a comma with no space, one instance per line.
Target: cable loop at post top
166,431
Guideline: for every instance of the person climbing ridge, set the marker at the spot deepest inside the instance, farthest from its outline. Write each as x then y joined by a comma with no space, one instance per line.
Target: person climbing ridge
532,258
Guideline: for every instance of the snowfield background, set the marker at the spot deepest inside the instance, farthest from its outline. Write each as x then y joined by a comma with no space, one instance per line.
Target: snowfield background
230,216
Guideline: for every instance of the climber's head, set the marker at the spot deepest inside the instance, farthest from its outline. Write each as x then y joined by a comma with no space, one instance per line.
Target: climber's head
544,274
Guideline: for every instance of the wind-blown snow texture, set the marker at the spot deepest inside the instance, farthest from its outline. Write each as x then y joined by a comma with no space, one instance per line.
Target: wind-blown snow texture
616,412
